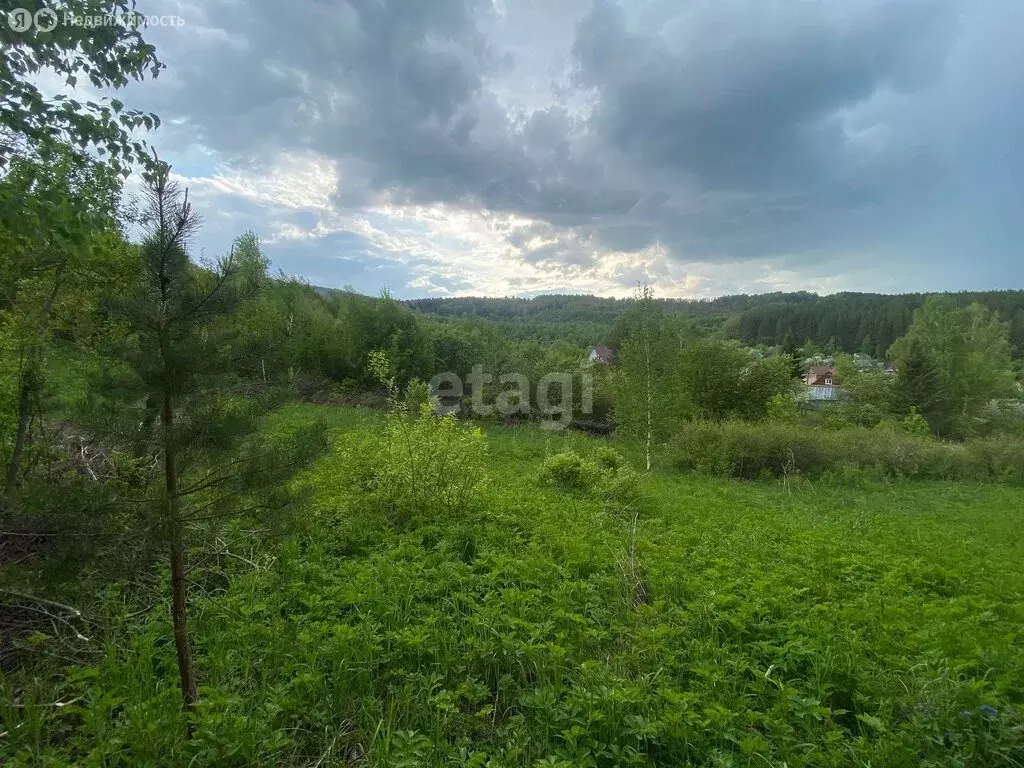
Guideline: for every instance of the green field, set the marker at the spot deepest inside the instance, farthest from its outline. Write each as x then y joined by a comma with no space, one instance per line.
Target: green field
746,624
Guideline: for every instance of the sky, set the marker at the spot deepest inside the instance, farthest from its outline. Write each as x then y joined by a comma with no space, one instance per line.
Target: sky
522,147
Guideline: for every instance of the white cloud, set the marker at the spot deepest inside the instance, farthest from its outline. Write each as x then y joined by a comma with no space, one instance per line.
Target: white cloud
295,181
447,250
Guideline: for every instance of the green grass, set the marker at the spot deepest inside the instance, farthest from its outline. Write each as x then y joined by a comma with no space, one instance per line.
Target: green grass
815,625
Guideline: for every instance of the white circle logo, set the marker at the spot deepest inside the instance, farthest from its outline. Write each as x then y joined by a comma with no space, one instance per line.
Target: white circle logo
20,20
46,19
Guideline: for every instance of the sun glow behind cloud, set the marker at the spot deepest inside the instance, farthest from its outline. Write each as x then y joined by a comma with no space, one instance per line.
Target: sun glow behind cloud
451,251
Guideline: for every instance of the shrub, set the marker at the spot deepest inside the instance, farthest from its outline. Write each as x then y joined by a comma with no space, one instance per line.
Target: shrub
568,471
419,469
621,485
742,449
609,458
835,417
782,408
916,424
608,477
417,394
745,450
999,458
889,453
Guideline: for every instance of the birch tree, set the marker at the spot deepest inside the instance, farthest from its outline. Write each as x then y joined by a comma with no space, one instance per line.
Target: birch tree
646,404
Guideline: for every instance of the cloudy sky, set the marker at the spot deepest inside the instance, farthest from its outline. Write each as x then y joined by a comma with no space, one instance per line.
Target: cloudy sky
500,147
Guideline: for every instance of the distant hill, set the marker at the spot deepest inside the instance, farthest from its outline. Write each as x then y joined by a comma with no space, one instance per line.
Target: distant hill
852,322
861,322
577,308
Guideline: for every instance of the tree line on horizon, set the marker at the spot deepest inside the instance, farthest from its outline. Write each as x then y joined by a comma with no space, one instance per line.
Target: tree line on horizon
867,323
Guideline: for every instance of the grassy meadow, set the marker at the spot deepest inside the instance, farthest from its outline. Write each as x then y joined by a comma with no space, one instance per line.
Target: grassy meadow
705,622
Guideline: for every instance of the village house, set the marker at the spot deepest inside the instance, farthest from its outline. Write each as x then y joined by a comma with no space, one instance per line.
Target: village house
602,355
823,383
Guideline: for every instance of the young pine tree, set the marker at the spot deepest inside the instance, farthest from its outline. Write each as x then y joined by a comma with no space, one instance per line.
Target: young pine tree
178,318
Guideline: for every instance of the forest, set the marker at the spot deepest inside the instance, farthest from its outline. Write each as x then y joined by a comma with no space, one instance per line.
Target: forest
842,322
242,522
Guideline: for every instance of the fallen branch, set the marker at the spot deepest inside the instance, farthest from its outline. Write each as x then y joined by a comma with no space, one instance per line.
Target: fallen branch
53,603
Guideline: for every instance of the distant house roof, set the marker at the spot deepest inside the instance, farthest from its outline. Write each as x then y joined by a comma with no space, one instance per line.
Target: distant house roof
602,354
822,376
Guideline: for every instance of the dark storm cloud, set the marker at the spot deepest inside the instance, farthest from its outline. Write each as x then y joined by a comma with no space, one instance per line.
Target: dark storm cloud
746,98
356,75
745,103
723,130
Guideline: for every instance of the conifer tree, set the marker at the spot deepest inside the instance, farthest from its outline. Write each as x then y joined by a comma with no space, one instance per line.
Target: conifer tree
795,360
920,389
178,315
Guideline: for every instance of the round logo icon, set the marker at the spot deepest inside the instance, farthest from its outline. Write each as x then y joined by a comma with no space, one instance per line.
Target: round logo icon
46,19
20,20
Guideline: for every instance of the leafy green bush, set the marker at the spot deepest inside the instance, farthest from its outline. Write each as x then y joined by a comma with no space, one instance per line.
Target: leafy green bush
745,450
568,471
609,458
782,408
999,458
417,394
609,477
621,485
916,424
742,449
419,469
